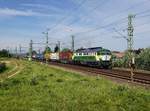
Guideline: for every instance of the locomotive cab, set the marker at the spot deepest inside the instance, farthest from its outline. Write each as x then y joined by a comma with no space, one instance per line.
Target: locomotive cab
96,56
105,58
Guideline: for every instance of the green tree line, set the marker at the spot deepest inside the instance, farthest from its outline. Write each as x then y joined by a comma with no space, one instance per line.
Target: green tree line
4,53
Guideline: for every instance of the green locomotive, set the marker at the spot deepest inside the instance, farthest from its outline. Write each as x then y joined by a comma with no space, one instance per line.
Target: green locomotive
96,56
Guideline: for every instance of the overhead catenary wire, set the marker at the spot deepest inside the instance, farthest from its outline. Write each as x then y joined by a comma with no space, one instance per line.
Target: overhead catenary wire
99,5
109,25
113,23
109,16
90,30
66,16
103,27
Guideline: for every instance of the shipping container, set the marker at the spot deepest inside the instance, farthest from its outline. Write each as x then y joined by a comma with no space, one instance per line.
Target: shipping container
54,56
66,57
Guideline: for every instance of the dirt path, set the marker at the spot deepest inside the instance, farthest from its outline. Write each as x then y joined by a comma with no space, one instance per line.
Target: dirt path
13,74
17,69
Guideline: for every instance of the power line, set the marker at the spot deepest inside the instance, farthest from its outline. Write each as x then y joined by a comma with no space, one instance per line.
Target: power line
139,3
105,26
61,20
99,5
143,12
101,27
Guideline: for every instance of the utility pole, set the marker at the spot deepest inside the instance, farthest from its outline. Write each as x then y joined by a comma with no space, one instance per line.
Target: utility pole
47,39
30,50
46,34
46,48
130,32
129,39
20,49
130,45
72,43
8,51
16,51
39,51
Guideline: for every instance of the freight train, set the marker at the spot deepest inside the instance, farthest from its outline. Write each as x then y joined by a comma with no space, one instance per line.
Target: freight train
96,56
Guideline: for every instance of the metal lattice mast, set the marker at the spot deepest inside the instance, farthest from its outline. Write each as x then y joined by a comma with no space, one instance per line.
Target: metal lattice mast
58,46
16,51
130,32
130,45
20,48
30,50
46,34
72,43
47,39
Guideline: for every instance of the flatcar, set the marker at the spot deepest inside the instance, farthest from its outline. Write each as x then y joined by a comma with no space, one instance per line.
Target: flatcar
96,56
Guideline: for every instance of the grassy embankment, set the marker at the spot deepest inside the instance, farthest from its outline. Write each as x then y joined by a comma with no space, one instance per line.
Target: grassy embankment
12,66
42,88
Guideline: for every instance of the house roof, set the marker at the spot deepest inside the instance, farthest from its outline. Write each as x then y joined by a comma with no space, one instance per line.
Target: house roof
118,54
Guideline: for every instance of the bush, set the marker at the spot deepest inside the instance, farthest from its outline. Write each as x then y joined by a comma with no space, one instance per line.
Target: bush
34,81
2,67
4,53
59,80
142,60
124,62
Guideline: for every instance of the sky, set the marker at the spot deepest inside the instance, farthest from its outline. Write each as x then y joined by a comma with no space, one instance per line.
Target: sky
93,23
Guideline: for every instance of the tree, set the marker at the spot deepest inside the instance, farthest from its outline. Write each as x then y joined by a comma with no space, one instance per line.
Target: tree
47,50
65,50
4,53
56,49
143,59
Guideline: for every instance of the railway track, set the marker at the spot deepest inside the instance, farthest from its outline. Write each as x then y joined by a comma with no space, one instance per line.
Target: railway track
142,78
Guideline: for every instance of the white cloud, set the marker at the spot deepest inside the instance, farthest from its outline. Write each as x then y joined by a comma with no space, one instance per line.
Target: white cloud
43,7
14,12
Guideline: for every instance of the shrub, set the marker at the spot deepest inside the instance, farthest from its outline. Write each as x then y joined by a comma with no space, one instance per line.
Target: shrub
59,80
142,60
34,81
2,67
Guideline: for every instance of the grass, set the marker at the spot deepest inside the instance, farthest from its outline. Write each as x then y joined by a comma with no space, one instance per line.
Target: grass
42,88
11,67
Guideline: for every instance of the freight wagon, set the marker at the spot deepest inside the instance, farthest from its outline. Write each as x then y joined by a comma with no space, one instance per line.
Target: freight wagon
54,56
96,56
65,56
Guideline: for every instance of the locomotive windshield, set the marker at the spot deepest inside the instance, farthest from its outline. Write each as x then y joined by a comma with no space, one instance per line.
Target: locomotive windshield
104,52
